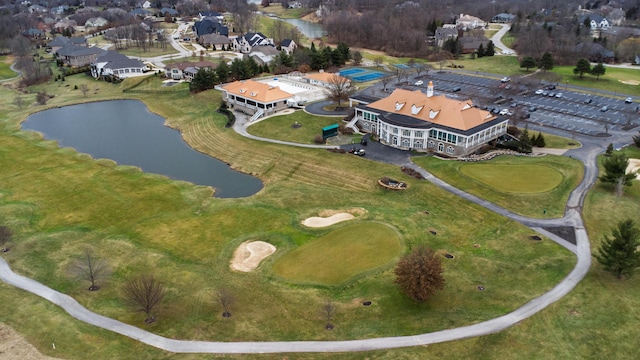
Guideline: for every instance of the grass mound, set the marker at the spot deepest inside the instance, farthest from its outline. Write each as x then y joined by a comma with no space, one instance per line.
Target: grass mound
340,254
514,178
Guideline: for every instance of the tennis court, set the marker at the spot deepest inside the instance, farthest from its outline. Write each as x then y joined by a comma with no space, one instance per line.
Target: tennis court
402,66
361,74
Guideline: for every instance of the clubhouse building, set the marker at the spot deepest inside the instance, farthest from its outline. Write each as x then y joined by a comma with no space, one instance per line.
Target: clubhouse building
254,97
413,120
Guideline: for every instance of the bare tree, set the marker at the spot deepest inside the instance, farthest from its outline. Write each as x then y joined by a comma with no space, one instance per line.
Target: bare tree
385,80
84,88
225,298
378,61
42,98
328,311
5,237
419,274
339,88
19,102
144,293
91,268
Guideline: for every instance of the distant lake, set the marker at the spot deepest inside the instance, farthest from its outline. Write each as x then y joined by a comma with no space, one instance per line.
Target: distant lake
128,133
307,28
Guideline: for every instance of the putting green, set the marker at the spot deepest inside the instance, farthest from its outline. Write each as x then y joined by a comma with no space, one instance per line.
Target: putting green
514,178
340,255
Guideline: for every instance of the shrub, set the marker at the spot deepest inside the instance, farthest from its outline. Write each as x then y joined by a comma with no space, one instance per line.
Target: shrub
318,139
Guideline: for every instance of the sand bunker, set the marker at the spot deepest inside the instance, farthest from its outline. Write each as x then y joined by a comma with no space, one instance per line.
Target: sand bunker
249,254
330,217
634,165
630,82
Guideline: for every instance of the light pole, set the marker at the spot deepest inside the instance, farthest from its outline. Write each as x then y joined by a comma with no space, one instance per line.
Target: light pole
566,85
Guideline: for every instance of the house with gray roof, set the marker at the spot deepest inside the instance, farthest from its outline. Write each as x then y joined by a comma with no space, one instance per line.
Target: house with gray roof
172,12
209,26
113,64
244,43
263,54
186,70
503,18
62,41
78,56
215,41
288,46
595,21
95,22
445,33
594,52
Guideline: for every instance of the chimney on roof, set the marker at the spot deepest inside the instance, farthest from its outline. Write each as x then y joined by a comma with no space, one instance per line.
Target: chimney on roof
430,89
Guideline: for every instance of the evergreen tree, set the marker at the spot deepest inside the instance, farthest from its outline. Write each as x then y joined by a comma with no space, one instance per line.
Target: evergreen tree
583,66
527,62
491,49
609,150
525,141
598,70
480,51
619,254
615,169
345,52
203,80
546,63
222,72
419,274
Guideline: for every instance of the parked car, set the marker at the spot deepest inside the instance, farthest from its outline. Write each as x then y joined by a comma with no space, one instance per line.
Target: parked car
545,93
551,94
360,152
559,95
532,109
363,142
628,100
588,101
505,79
419,82
539,92
456,89
551,87
504,112
604,108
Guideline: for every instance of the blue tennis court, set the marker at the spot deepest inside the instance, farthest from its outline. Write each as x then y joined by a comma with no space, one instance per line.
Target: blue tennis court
368,77
361,74
351,71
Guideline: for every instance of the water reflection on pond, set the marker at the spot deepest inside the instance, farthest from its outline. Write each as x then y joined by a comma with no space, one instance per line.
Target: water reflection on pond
128,133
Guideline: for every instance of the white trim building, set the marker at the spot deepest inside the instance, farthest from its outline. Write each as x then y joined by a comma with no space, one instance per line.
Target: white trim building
412,120
251,97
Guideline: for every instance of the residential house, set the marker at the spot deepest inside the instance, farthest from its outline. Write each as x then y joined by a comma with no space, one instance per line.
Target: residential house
59,10
113,64
215,41
244,43
503,18
140,12
62,41
324,79
468,22
172,12
146,4
594,52
33,33
470,44
186,70
65,24
37,9
211,14
413,120
443,34
95,22
253,97
263,54
79,56
294,5
288,46
595,21
209,26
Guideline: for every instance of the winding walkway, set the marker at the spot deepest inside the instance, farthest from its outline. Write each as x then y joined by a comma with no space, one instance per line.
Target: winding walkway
571,218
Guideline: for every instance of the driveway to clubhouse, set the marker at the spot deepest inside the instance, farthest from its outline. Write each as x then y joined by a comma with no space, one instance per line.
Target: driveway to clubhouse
572,217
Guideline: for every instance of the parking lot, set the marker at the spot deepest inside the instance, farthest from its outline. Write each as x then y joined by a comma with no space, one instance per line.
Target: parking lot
570,111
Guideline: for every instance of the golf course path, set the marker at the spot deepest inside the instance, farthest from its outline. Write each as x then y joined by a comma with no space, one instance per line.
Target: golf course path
571,218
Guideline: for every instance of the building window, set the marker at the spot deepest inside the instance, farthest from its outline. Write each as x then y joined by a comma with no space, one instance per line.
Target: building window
449,149
419,134
394,140
417,144
431,145
440,147
365,125
406,132
406,143
394,130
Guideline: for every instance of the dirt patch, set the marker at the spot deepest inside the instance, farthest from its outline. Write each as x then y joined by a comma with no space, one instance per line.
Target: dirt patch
330,217
14,347
249,254
634,165
630,82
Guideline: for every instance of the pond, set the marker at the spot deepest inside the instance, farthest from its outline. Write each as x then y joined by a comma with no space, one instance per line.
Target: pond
128,133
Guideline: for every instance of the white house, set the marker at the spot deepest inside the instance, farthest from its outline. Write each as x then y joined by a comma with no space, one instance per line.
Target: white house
244,43
288,46
114,64
412,120
252,97
466,22
325,79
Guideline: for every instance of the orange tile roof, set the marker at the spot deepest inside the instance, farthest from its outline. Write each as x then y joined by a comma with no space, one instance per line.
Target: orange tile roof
461,115
257,91
324,77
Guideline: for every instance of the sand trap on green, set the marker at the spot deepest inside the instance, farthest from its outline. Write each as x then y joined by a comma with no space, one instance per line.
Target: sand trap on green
514,178
340,254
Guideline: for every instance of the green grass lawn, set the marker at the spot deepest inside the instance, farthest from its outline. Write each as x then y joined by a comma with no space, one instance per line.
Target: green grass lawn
529,201
150,52
340,255
5,70
285,127
514,178
557,142
59,202
617,80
